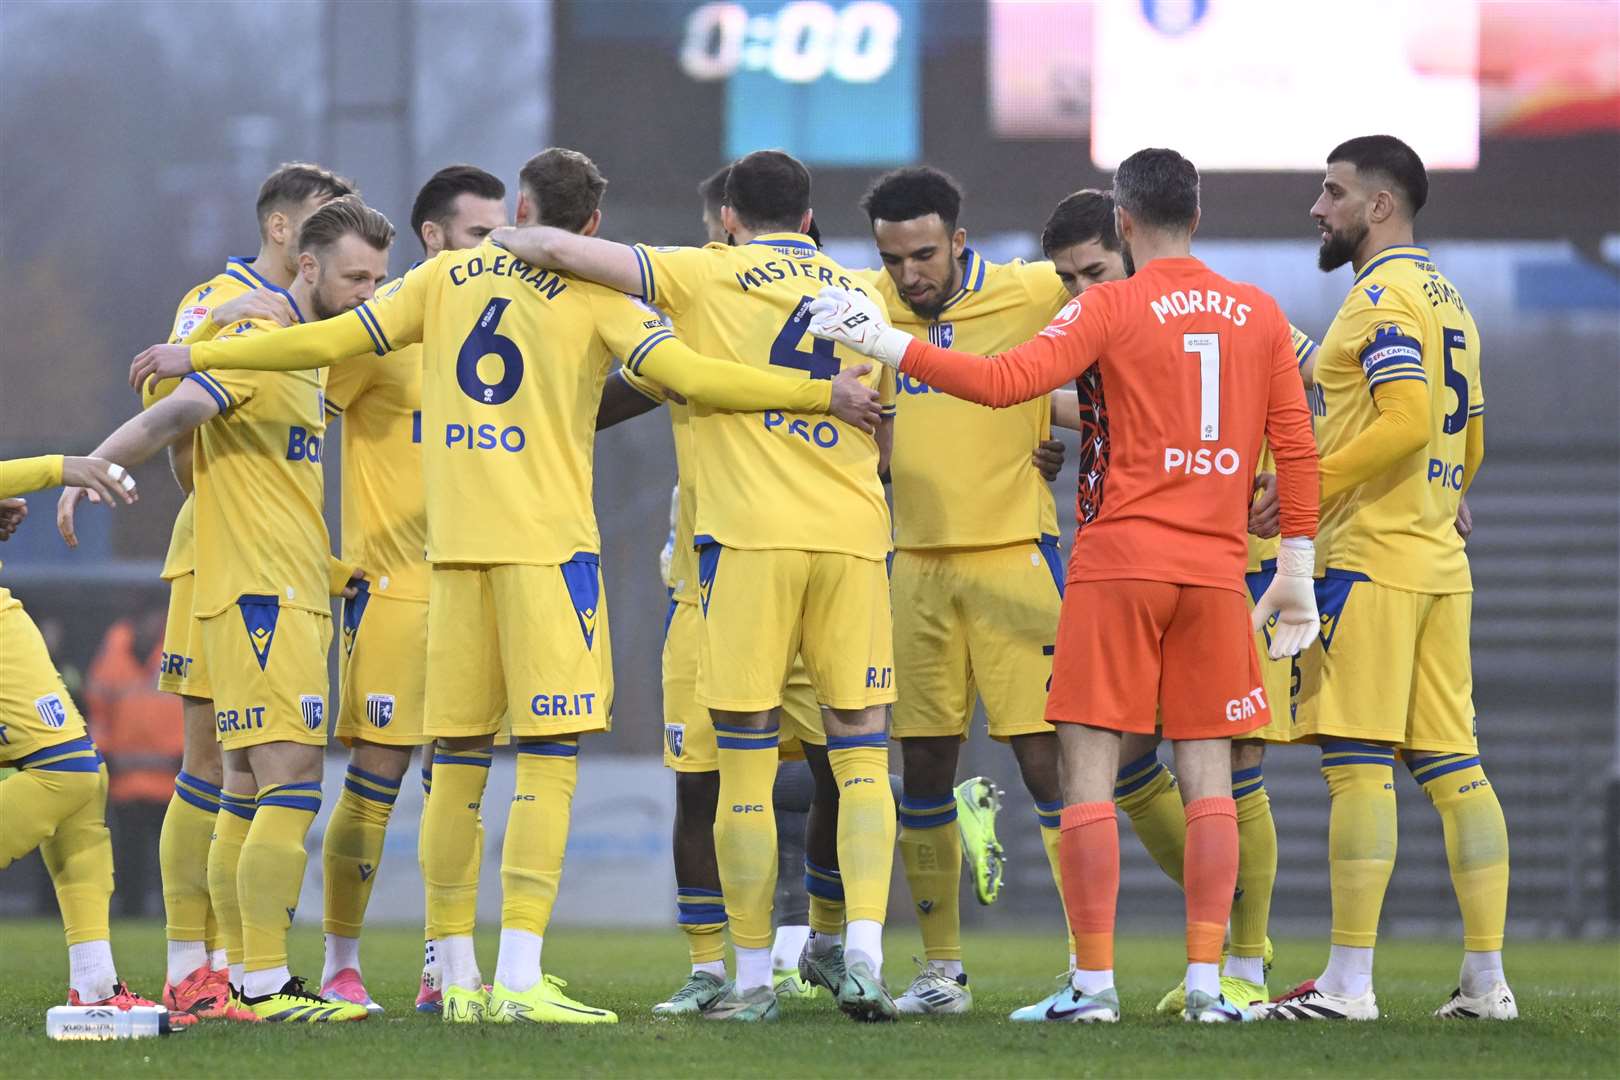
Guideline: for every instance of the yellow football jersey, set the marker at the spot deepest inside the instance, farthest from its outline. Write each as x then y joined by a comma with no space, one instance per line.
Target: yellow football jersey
193,322
682,579
384,493
259,488
1402,320
772,479
19,477
962,472
1265,550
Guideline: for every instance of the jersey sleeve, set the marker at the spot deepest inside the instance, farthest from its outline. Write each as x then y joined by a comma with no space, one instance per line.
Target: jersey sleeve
346,382
1071,343
671,277
1290,438
1476,388
19,476
393,318
295,348
647,346
649,388
1304,346
1387,334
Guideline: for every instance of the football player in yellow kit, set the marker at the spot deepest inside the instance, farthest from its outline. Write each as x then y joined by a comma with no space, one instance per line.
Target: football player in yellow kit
197,981
57,799
808,574
977,574
515,617
1401,423
383,672
262,600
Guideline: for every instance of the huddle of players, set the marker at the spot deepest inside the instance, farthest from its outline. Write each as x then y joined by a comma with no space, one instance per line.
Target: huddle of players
975,568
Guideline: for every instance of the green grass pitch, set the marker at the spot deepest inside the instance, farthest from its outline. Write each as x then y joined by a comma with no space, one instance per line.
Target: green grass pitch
1569,998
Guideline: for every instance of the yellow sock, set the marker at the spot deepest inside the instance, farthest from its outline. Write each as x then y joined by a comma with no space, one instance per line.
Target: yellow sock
1150,797
449,829
866,823
1050,815
1476,843
931,852
353,847
1257,863
35,801
1361,836
537,833
79,858
271,871
826,888
421,831
224,859
745,831
188,829
701,914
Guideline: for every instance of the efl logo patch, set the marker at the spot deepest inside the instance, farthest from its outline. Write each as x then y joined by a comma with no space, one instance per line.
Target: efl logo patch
675,738
313,708
380,709
51,710
190,318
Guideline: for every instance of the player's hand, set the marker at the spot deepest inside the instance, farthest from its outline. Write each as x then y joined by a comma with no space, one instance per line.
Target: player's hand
1265,513
849,317
12,512
853,401
352,589
160,362
1292,598
343,579
66,505
1048,458
106,481
259,303
1465,520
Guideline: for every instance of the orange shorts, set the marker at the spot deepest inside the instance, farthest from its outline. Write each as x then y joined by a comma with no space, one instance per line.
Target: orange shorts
1126,648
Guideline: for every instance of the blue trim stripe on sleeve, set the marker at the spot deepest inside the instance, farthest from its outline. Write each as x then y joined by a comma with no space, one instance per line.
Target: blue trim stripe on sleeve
648,344
1477,410
644,264
379,341
221,396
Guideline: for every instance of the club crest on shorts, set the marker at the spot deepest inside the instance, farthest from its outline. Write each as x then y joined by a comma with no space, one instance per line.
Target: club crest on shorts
52,713
675,738
313,708
379,710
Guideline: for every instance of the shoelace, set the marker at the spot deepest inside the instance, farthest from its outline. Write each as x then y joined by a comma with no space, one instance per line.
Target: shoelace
295,988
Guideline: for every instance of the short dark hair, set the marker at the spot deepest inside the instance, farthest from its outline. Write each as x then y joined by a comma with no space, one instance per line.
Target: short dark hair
438,196
769,190
1159,188
713,191
341,217
905,194
296,181
1085,215
566,186
1392,160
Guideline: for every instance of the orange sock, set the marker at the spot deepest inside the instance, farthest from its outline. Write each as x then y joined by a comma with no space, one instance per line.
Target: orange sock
1088,852
1211,875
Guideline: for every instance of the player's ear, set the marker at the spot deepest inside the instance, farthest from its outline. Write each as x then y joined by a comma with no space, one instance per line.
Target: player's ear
1198,215
309,267
958,242
525,211
593,223
432,236
804,222
728,220
1382,207
275,228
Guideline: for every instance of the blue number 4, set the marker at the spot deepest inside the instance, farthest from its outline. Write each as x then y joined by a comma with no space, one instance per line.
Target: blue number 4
819,362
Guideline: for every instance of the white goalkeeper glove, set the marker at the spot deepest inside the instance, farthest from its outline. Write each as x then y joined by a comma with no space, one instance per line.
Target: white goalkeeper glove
850,318
1292,598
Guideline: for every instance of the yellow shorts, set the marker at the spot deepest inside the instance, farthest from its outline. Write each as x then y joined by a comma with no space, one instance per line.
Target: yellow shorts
383,670
688,729
35,709
526,639
268,672
184,671
1391,666
763,608
972,623
1276,676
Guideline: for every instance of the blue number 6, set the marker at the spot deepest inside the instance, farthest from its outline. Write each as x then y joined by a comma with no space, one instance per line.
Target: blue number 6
484,341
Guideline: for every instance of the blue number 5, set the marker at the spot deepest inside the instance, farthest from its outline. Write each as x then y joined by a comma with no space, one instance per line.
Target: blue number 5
1457,383
819,362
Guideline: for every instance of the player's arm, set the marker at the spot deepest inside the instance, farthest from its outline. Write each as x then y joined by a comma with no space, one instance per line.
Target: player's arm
1474,451
1304,354
1066,409
1040,365
1392,361
888,391
607,262
192,404
1291,595
624,397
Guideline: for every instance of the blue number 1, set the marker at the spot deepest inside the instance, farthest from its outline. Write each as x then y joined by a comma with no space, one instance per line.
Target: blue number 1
1457,383
819,362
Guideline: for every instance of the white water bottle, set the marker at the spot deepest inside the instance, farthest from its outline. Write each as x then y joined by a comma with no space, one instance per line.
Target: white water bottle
105,1022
